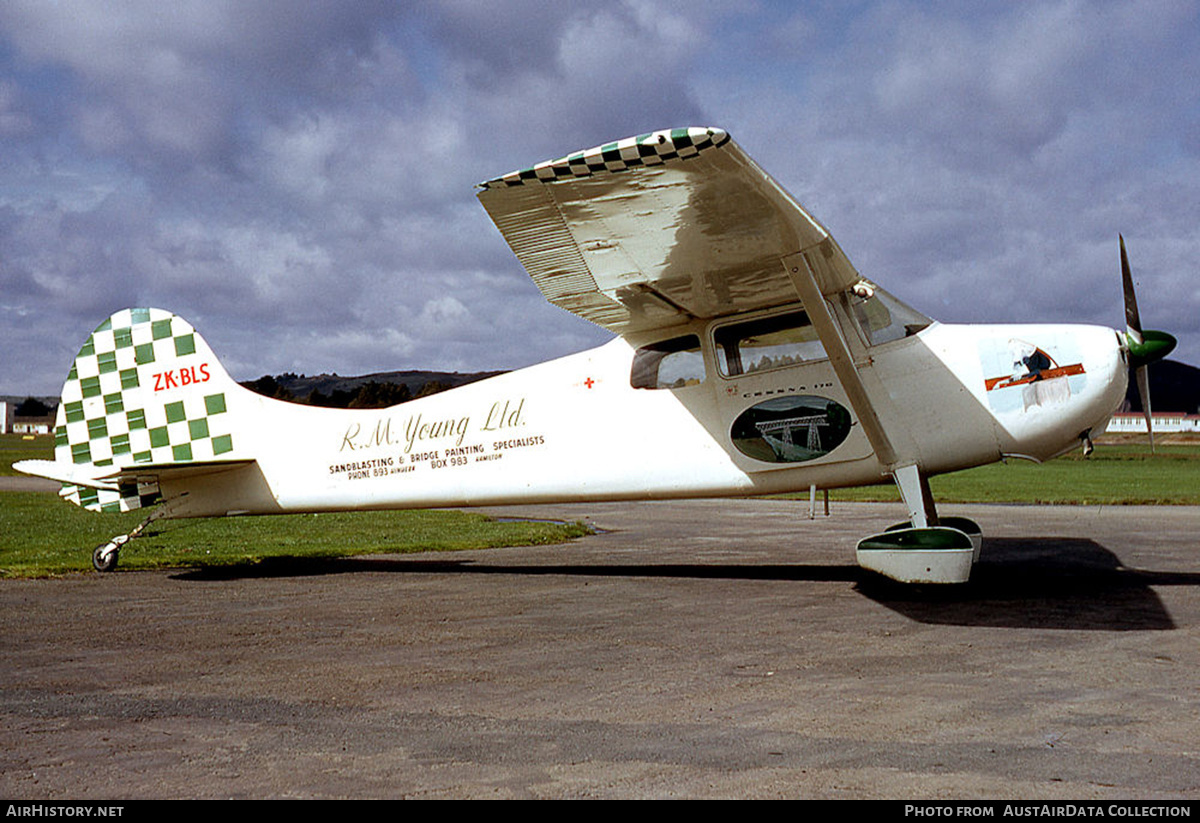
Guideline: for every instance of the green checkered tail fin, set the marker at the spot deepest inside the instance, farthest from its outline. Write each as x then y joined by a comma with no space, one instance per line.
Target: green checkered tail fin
145,391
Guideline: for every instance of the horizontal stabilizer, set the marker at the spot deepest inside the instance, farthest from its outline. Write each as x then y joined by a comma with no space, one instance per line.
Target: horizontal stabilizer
78,475
95,477
131,487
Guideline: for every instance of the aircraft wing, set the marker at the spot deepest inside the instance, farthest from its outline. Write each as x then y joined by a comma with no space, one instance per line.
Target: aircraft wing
657,229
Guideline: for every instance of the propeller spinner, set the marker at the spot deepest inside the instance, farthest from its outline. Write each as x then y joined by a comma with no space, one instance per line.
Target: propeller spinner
1143,347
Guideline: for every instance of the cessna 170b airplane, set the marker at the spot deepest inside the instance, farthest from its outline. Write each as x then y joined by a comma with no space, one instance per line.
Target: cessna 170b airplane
750,358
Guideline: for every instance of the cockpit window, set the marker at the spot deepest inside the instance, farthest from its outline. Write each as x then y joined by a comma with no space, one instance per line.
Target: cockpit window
882,318
668,364
767,343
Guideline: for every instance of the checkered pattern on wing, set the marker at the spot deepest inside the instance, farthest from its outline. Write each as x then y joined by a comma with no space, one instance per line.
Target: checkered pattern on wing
110,414
644,150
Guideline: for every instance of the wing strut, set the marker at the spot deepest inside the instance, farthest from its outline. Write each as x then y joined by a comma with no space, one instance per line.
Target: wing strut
802,269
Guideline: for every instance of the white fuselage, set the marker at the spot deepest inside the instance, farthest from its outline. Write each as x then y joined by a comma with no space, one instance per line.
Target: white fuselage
575,429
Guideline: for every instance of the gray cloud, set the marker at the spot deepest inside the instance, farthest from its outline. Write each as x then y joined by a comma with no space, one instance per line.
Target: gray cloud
980,160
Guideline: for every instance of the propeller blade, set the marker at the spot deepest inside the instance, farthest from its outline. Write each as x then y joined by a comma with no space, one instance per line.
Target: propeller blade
1133,321
1142,374
1144,347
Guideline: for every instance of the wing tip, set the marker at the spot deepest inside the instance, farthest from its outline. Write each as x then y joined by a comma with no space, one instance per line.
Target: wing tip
650,149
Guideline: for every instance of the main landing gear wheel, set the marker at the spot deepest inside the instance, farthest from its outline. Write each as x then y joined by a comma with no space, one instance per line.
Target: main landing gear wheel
104,558
925,548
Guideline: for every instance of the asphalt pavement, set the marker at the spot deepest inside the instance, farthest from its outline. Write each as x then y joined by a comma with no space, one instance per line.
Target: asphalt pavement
723,649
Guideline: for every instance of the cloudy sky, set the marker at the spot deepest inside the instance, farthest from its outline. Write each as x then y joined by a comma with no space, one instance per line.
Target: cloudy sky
296,178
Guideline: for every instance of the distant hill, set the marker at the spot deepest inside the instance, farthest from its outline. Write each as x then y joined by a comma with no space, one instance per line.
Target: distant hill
365,391
301,386
1174,386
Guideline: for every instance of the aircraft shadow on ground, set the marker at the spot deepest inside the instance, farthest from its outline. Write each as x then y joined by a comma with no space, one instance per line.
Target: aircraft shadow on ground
1049,583
1057,582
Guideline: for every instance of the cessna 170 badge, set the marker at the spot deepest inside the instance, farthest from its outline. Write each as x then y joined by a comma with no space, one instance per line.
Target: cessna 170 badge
750,358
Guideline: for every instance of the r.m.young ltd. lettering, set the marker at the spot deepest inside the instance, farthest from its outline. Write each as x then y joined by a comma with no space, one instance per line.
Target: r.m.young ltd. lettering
418,429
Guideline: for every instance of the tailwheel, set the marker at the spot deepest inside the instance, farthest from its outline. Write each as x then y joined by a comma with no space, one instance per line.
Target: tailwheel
105,556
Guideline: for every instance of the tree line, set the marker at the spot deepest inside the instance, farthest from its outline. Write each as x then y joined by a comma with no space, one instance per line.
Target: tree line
370,395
